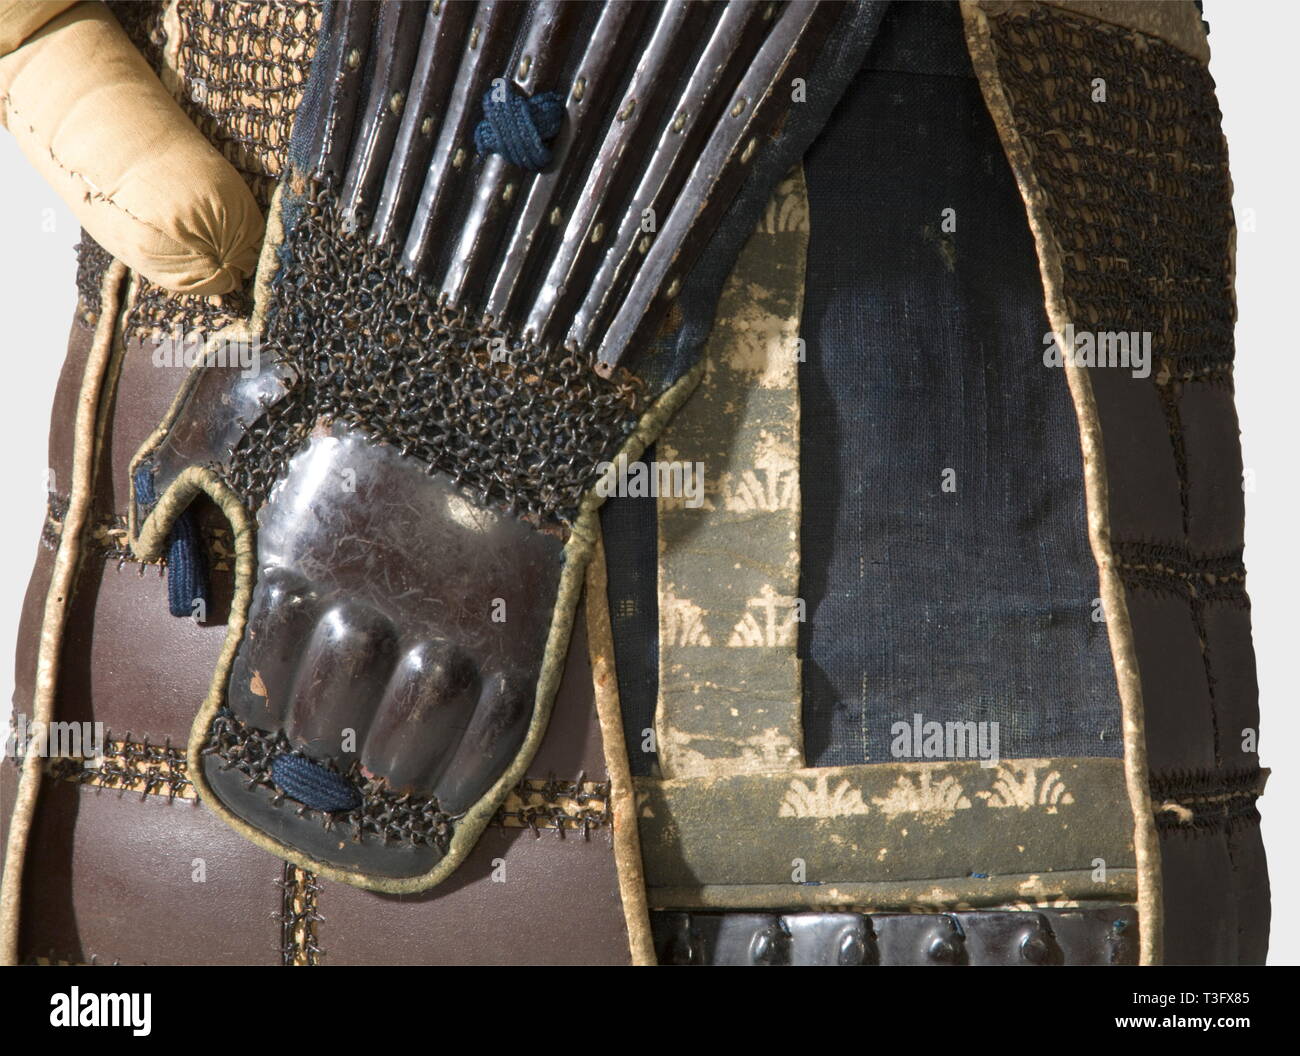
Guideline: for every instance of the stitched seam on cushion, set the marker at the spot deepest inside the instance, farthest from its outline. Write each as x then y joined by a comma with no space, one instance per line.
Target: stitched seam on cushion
97,195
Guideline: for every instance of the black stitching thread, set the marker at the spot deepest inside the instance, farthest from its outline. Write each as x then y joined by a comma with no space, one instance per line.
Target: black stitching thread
1217,801
1198,579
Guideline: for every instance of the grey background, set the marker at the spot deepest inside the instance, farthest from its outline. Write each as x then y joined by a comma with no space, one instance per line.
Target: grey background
1252,53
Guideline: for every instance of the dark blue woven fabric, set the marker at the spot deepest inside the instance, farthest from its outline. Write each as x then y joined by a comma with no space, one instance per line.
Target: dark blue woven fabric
838,62
187,580
631,532
629,524
312,785
924,353
145,493
517,126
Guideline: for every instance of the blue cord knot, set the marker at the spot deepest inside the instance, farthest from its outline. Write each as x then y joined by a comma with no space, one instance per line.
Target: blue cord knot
517,126
187,580
313,785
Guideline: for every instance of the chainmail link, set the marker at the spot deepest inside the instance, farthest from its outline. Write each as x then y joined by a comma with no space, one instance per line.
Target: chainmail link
242,69
299,917
1136,187
384,814
130,766
143,22
519,426
556,805
92,262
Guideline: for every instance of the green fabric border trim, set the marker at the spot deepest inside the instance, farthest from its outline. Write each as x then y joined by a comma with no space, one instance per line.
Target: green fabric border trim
730,683
907,832
1016,890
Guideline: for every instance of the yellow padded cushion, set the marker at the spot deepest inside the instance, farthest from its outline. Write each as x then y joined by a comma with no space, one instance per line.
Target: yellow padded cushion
93,118
20,19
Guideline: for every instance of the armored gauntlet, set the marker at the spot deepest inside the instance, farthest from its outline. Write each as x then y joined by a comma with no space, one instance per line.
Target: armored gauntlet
490,212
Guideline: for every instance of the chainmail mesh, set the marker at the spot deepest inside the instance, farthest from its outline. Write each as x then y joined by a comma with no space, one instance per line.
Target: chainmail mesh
384,814
558,806
521,427
92,261
299,917
157,313
1154,249
242,69
143,22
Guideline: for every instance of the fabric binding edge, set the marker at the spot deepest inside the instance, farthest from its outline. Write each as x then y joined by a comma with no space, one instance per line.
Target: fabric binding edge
627,836
1118,625
88,428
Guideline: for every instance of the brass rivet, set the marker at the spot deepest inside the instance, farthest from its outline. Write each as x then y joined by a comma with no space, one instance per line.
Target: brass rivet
473,39
556,217
579,89
396,103
626,112
354,59
674,288
525,64
748,152
426,126
458,159
598,232
679,122
739,108
508,192
644,244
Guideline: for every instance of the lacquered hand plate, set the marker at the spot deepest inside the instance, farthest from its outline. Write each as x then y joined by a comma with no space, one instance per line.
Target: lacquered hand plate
394,638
